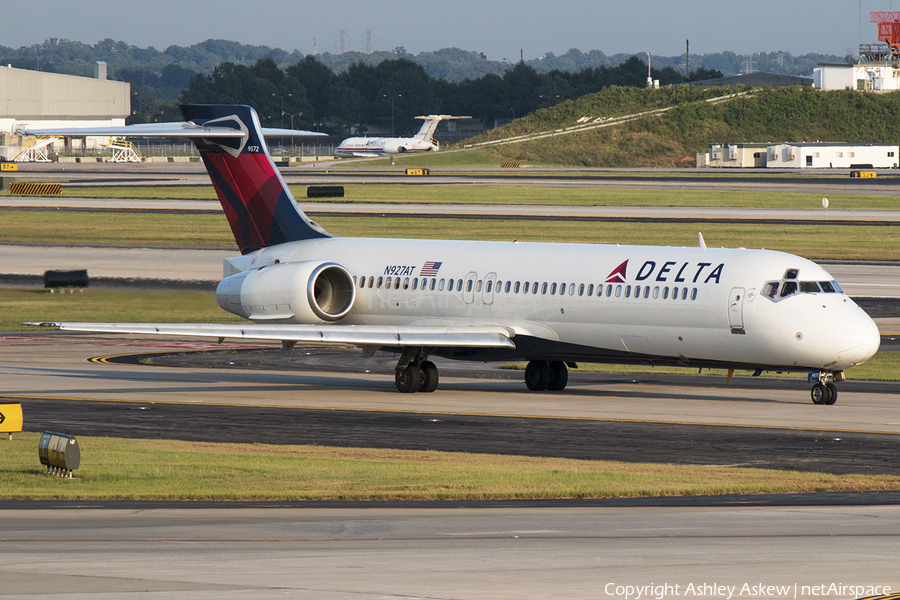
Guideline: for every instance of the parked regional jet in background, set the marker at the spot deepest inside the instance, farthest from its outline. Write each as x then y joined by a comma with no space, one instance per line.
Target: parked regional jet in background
421,142
550,304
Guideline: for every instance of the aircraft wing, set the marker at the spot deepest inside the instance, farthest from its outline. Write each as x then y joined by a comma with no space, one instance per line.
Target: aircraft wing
167,130
356,335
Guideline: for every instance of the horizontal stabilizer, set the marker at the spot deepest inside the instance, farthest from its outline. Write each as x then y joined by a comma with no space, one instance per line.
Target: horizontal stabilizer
168,130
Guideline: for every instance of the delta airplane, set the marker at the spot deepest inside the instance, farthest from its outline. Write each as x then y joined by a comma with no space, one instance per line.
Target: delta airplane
360,147
552,305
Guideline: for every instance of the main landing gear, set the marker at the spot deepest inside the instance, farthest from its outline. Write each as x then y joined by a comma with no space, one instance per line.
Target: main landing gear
415,374
546,375
824,391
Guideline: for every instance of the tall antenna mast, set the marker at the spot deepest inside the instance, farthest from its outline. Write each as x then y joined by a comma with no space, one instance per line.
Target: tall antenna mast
687,59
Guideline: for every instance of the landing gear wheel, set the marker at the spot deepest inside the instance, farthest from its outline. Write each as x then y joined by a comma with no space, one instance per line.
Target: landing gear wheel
832,393
820,394
537,375
429,376
559,376
408,380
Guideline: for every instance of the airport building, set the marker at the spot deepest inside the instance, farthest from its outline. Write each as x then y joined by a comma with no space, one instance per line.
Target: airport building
37,99
881,76
814,155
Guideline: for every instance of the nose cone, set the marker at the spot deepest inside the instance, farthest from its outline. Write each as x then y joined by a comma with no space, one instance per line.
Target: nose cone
856,338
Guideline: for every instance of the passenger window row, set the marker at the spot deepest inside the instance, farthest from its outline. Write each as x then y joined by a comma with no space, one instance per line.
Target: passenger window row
528,287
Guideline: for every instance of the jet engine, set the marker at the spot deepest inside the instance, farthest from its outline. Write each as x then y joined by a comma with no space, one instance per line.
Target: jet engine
394,147
302,292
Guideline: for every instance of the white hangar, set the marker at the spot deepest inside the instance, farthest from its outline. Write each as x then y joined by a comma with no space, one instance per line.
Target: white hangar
38,99
803,155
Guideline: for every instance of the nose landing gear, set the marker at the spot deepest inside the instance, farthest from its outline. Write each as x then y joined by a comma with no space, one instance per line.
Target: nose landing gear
824,391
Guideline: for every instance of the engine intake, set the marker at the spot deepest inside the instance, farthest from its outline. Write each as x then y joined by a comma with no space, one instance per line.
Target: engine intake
304,292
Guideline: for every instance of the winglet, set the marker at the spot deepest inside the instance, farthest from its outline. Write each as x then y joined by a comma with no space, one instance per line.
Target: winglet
702,243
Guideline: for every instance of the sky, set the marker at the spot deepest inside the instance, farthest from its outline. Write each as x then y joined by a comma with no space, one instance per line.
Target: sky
499,28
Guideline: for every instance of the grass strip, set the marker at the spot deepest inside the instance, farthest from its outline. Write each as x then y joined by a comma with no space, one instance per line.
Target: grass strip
125,306
543,194
113,468
814,241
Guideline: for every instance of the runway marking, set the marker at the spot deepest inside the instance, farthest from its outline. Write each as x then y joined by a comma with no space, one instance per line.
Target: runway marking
466,538
448,414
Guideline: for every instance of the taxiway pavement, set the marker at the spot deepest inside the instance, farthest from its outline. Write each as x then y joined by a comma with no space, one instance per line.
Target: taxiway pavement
467,553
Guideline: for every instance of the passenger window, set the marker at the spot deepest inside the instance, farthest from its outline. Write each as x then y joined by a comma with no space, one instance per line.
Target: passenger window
647,292
518,287
441,286
508,285
674,293
543,288
809,287
788,288
590,291
380,281
406,283
665,292
478,286
637,291
415,284
627,291
684,293
770,289
618,291
397,283
525,289
656,292
388,282
433,282
469,285
694,294
553,289
487,288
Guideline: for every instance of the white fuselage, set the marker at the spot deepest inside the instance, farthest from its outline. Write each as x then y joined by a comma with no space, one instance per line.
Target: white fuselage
688,306
372,146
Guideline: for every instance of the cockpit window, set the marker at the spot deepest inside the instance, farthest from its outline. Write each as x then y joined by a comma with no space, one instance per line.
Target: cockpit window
788,288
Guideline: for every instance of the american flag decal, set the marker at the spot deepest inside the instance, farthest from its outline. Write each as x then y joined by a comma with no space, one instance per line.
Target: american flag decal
430,269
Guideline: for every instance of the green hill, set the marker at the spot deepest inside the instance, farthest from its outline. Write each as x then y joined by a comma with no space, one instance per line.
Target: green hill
673,138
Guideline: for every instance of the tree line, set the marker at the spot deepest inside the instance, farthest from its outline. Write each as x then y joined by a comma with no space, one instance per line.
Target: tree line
392,93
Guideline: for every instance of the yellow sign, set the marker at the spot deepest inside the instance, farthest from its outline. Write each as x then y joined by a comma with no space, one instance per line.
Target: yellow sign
10,418
417,171
7,166
868,174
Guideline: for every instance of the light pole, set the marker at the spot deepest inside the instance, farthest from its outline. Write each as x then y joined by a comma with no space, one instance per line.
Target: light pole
282,107
292,115
392,111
